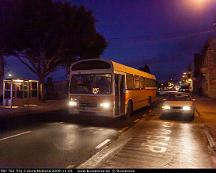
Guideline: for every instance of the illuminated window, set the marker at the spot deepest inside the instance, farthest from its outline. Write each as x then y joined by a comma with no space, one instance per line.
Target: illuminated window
136,82
142,82
130,81
34,89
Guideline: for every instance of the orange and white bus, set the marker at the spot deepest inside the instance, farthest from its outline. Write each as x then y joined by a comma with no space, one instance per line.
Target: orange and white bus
108,88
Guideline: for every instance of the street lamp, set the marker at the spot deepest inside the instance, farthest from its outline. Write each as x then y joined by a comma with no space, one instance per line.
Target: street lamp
9,75
197,4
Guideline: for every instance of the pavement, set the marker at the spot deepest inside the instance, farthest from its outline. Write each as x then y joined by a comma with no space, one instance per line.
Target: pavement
47,106
206,109
155,143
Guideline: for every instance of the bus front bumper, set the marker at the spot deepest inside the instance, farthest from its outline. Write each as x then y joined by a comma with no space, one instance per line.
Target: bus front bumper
90,111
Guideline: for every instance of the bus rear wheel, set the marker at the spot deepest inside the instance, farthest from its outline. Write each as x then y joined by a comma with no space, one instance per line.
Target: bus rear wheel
129,109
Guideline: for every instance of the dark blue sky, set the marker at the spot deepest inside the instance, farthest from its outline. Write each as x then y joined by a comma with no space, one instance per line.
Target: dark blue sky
161,33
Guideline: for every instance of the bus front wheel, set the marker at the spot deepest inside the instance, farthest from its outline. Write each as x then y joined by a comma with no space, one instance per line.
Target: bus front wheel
129,109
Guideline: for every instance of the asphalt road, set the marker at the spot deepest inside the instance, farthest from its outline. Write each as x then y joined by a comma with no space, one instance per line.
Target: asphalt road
53,140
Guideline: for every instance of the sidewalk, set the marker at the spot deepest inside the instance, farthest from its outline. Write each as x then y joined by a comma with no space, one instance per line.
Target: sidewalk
206,109
47,106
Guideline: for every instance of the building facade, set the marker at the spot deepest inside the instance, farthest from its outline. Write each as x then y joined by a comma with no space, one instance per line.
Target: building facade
205,70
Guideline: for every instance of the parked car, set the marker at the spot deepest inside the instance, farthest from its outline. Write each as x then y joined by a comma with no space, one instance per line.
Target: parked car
179,103
184,89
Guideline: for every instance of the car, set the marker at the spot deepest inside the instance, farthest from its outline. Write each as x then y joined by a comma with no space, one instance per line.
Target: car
179,103
184,89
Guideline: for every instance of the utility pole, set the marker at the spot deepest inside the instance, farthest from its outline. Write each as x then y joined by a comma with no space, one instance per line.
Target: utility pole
1,74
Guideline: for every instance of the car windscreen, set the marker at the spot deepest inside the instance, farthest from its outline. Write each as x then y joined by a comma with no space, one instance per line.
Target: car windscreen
91,84
184,87
178,97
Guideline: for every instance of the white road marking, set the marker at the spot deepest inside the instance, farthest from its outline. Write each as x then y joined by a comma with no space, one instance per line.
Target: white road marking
135,121
70,166
123,129
19,134
59,123
103,143
155,149
153,142
167,124
165,138
165,131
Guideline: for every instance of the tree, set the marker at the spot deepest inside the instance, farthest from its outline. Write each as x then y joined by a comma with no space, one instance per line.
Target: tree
145,69
7,9
52,36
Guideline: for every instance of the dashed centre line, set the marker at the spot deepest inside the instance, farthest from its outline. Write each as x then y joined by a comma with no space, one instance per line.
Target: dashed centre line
124,129
59,123
135,121
103,143
70,166
13,136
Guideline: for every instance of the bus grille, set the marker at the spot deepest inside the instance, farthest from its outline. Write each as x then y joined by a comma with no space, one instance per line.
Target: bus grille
87,104
176,107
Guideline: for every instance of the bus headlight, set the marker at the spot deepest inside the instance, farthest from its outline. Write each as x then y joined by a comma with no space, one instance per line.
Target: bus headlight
165,107
105,105
73,103
186,108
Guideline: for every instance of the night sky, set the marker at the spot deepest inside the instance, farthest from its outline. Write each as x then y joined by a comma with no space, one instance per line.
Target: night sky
164,34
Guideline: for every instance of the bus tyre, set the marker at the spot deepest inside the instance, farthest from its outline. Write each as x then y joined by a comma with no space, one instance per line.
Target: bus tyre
129,109
149,102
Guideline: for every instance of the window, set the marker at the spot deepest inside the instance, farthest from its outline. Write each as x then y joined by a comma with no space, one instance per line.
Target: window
150,83
136,82
89,65
25,89
130,81
142,82
34,89
7,90
91,84
19,90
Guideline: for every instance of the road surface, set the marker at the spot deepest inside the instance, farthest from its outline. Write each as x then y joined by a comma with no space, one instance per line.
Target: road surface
52,140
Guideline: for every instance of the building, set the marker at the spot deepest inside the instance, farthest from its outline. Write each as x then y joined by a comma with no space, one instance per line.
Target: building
19,92
205,70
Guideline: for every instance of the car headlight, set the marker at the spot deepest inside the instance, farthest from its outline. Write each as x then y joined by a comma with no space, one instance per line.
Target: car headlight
186,108
165,107
105,105
73,103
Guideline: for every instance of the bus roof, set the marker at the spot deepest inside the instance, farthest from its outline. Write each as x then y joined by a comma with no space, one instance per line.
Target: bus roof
131,70
114,65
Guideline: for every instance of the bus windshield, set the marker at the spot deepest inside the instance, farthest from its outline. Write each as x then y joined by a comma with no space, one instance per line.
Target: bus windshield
90,84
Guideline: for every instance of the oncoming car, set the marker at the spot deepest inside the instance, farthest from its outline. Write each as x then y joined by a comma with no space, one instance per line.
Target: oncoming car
179,103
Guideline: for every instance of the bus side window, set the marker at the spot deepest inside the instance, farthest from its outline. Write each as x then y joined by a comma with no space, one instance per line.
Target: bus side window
136,82
142,82
130,81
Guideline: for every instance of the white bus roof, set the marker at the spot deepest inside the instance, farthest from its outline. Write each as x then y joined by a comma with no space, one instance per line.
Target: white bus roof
118,67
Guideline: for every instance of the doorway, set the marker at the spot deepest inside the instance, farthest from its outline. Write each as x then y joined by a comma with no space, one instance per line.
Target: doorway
119,94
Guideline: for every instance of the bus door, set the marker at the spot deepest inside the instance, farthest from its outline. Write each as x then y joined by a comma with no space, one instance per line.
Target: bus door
119,94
